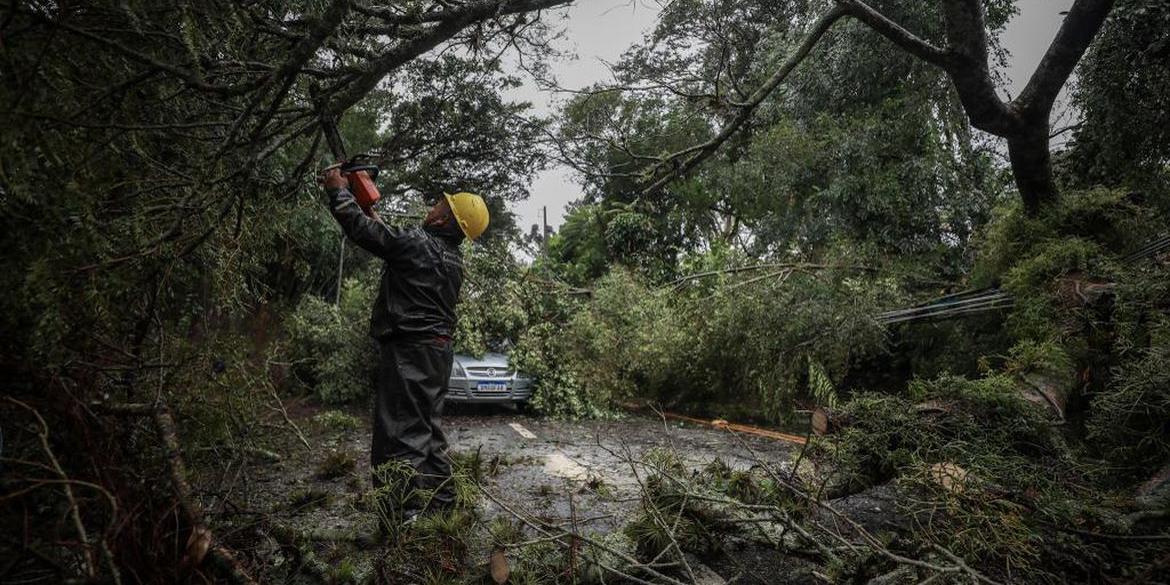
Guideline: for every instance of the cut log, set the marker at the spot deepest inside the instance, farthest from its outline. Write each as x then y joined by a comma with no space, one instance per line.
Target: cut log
1077,290
499,566
824,422
1046,390
949,476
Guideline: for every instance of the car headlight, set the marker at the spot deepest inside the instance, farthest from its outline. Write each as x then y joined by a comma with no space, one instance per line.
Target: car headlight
459,371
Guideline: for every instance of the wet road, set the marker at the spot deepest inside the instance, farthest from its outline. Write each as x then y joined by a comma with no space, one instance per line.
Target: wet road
547,468
544,461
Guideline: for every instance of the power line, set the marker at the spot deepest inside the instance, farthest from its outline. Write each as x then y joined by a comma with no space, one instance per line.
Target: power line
984,300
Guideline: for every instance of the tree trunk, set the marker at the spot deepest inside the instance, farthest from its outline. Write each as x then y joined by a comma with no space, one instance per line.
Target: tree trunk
1032,167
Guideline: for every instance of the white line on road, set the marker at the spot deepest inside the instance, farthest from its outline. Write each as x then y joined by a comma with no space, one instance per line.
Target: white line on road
560,465
520,430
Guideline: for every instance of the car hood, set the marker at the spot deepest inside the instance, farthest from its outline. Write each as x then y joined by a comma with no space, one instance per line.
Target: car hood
489,360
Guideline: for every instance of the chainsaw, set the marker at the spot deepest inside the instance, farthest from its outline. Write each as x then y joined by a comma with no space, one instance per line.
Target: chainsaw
358,170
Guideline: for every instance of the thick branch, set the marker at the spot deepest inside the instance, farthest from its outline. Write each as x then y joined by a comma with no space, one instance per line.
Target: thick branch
964,59
893,31
697,154
457,20
1072,40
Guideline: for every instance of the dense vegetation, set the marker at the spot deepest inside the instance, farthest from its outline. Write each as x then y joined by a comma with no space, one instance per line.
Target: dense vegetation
171,275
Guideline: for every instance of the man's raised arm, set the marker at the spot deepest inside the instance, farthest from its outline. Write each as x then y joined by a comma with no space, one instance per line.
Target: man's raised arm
369,233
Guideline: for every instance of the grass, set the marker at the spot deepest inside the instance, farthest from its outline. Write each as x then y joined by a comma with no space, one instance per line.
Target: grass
307,498
336,464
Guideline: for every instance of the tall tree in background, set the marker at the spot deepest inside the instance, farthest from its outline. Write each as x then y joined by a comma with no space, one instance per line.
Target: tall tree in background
958,44
870,144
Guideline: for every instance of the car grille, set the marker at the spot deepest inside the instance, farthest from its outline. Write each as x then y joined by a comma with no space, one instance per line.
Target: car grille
487,372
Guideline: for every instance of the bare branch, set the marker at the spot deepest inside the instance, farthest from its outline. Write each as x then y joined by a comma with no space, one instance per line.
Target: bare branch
893,31
695,155
1072,40
456,21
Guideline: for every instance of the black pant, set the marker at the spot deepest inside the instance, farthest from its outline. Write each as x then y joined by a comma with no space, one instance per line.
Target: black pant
412,382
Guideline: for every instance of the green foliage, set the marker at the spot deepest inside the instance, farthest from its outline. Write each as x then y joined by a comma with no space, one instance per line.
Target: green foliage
1046,357
626,341
741,341
968,422
667,509
579,250
1041,259
821,388
330,344
596,237
449,127
541,353
1130,421
494,303
1106,218
1034,282
337,421
1123,93
336,464
992,472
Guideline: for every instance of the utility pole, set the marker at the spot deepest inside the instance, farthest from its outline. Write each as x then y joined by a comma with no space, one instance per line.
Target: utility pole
544,228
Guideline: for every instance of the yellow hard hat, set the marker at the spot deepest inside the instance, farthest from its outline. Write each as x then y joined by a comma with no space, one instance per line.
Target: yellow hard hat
470,212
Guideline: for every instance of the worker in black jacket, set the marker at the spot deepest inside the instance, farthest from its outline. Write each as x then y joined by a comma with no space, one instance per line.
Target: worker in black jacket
413,320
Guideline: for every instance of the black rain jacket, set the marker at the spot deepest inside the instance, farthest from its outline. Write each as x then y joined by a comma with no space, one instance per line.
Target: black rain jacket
421,276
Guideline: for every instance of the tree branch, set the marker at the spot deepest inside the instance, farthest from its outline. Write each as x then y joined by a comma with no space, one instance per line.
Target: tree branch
456,20
1079,28
699,153
893,31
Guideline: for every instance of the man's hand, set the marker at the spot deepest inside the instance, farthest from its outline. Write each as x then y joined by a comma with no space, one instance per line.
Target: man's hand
332,179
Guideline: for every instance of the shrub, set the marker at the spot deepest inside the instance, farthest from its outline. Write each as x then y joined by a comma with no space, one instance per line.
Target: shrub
542,353
495,301
330,344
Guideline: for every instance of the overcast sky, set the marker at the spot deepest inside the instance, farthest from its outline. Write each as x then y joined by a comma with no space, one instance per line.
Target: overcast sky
599,31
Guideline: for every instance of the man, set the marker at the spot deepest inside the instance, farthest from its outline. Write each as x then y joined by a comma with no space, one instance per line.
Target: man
413,320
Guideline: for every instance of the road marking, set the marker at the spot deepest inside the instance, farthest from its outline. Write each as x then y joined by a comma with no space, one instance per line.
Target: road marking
520,430
560,465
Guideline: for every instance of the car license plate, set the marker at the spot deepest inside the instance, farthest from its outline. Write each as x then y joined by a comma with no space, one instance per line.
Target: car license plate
491,387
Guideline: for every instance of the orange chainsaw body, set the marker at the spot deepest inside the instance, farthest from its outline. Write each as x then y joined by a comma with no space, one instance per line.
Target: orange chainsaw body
364,190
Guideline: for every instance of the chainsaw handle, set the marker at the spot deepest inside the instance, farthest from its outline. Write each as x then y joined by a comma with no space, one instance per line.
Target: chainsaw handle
353,167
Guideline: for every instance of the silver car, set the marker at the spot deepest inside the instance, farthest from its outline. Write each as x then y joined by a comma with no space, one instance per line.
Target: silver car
487,380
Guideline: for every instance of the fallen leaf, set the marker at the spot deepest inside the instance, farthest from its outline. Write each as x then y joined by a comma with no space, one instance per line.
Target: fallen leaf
499,567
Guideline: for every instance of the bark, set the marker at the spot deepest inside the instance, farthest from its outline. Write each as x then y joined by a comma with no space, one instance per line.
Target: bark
1024,122
1032,166
1154,491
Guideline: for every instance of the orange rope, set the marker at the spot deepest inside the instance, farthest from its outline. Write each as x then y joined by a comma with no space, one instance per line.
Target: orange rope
722,424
